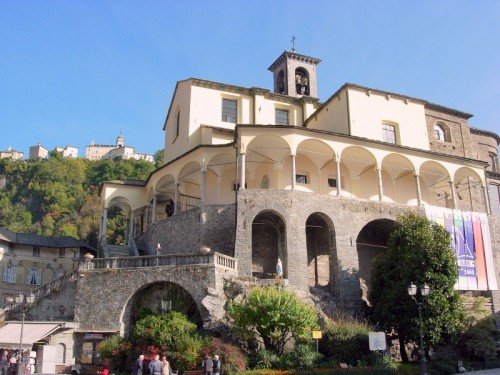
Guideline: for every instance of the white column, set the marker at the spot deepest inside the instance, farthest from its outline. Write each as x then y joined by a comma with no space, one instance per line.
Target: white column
486,199
153,216
203,186
176,202
339,182
131,224
294,172
452,192
419,193
380,187
242,171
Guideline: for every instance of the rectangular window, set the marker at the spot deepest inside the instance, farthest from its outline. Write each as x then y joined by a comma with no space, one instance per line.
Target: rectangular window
11,248
229,110
493,162
389,133
36,251
34,276
9,274
332,182
62,252
301,179
281,117
494,193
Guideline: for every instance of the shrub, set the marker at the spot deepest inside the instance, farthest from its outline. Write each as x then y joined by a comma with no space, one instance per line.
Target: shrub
346,340
301,357
232,359
264,359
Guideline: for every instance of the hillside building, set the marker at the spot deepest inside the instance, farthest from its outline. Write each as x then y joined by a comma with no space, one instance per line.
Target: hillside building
11,154
117,151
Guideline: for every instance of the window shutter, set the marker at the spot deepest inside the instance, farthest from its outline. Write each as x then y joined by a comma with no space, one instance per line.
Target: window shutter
28,276
38,277
13,275
5,274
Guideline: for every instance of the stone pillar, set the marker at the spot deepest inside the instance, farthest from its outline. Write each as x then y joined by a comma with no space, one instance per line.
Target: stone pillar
380,187
452,192
153,216
242,171
104,222
176,202
486,201
294,172
131,224
419,194
203,185
339,182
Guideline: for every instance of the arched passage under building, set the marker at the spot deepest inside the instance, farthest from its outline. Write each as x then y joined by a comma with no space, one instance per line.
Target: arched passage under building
371,241
268,243
321,252
157,298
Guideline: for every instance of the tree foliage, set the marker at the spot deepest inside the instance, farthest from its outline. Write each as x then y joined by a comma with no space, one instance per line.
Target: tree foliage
59,196
273,316
418,251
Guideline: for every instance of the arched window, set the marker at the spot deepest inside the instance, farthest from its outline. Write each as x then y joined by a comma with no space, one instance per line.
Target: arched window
177,124
302,81
439,133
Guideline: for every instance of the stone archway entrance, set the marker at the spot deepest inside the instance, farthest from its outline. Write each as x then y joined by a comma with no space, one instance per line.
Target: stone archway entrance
320,238
157,298
268,243
371,241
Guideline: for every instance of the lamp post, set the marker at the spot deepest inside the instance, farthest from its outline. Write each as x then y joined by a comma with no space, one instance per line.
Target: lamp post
424,292
24,303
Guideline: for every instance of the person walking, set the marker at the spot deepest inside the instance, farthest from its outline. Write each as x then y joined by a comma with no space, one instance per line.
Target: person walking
4,363
166,369
137,366
207,365
155,366
216,365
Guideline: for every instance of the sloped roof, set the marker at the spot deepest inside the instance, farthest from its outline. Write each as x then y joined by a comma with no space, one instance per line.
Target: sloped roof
43,241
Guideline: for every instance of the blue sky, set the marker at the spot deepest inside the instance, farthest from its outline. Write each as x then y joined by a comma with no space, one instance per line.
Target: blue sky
77,71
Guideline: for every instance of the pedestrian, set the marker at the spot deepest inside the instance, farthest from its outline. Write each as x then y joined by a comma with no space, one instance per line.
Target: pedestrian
155,366
166,369
207,365
13,364
216,365
4,363
137,367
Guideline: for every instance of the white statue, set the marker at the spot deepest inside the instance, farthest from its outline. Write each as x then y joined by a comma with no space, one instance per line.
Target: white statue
279,269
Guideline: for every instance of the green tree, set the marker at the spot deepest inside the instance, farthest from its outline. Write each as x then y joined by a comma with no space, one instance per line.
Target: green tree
273,316
173,331
419,252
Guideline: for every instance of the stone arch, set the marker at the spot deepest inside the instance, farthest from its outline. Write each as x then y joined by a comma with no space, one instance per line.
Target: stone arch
221,179
268,243
149,297
401,186
60,354
318,160
371,241
441,131
302,81
361,165
268,155
119,210
165,196
280,82
435,189
321,250
468,190
189,180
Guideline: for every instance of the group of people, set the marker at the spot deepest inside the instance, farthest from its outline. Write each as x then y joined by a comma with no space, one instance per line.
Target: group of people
8,363
155,367
210,366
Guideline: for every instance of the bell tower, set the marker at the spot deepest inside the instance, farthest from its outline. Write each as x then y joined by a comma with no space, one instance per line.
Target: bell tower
295,75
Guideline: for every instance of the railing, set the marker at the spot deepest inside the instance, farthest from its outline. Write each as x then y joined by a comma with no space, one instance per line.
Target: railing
55,285
174,260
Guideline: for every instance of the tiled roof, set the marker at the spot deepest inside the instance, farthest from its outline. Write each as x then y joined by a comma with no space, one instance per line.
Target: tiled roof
43,241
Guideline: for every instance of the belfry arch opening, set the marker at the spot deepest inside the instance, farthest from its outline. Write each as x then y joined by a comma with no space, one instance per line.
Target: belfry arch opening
268,243
320,239
157,298
371,242
302,82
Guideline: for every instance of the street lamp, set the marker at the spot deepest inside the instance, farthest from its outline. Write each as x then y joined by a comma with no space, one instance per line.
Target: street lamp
424,292
24,303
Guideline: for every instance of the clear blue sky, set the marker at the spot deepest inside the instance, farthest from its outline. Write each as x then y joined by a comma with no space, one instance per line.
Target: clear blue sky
82,70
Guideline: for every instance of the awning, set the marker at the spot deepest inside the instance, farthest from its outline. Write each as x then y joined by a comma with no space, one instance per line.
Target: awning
10,334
